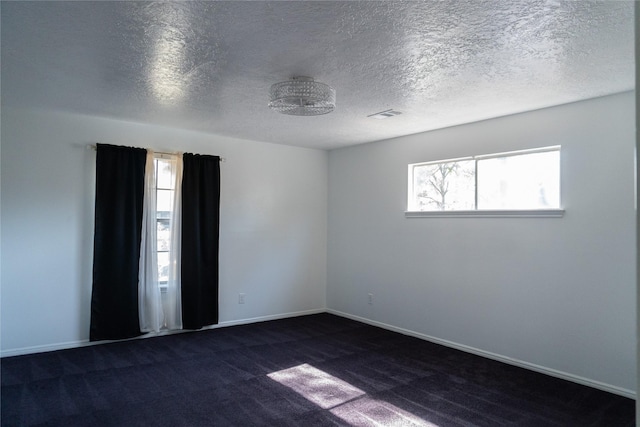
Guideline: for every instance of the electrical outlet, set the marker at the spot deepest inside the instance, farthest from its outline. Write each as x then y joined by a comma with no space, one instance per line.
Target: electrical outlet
240,298
370,299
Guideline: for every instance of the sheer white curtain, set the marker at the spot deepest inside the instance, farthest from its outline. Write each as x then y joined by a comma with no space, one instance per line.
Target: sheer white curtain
160,310
172,301
149,301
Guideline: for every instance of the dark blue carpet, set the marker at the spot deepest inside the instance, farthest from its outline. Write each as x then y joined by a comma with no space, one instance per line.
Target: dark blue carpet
220,377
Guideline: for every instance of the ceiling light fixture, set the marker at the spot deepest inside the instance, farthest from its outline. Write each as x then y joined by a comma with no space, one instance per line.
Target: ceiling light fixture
302,96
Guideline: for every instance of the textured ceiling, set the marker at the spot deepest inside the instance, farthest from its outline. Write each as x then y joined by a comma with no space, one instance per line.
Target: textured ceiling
208,65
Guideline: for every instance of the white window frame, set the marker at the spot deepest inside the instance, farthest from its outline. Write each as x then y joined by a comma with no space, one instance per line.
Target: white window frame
482,213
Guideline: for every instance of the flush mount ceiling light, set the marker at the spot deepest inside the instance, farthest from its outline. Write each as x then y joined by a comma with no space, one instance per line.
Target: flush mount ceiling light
302,96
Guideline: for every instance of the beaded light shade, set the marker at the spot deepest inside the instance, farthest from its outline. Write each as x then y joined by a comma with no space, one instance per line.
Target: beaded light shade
302,96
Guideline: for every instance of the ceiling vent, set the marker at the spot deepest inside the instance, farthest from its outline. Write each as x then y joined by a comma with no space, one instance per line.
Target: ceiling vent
384,114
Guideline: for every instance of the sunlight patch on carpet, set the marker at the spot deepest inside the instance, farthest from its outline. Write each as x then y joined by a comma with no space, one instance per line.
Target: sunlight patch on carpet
343,399
317,386
373,412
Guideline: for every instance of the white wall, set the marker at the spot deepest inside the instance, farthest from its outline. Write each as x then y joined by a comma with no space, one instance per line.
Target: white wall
272,225
637,158
557,293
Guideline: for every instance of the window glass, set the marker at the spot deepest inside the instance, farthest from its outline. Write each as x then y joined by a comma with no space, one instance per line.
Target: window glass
526,180
163,234
163,267
164,200
444,186
164,171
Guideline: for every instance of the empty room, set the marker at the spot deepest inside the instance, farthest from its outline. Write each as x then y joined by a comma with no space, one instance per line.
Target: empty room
331,213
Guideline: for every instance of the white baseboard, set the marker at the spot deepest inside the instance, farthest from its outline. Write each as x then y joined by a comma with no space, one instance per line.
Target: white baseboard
84,343
509,360
266,318
43,348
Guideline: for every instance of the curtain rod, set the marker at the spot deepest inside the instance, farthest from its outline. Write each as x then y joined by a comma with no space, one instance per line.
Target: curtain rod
94,148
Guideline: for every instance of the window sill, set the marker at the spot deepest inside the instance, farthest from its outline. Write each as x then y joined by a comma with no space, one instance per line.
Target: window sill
532,213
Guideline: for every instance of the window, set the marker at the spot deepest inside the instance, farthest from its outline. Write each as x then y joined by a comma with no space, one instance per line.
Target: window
165,167
509,184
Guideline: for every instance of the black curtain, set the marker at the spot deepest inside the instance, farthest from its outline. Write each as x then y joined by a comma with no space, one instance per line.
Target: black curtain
116,250
200,235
